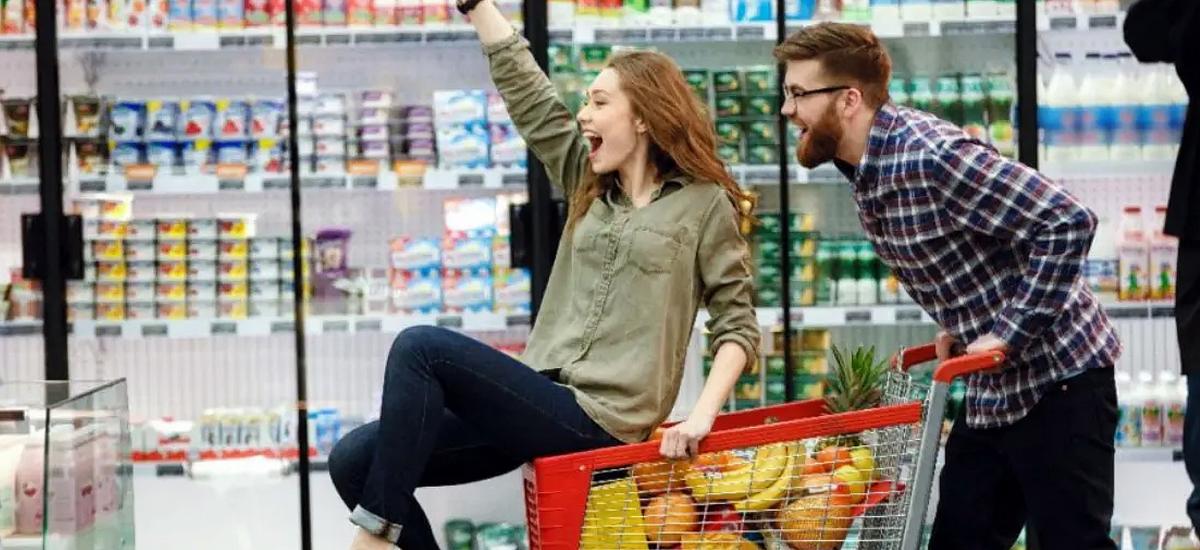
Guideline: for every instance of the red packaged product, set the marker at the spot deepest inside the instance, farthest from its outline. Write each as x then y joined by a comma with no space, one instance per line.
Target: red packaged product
361,12
258,13
308,12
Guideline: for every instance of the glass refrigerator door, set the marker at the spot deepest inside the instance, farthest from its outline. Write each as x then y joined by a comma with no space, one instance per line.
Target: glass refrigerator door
955,60
21,341
1110,129
173,121
409,165
724,52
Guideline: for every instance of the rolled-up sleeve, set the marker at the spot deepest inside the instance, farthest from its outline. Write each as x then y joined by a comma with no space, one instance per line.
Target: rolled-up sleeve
540,116
724,270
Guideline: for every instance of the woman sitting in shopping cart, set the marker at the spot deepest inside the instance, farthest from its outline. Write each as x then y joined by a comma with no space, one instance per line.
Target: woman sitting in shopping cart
653,233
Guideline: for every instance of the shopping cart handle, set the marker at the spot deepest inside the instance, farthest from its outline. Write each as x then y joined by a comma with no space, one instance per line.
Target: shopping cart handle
949,370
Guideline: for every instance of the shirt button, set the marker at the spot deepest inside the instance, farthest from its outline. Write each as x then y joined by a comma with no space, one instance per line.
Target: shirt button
1064,387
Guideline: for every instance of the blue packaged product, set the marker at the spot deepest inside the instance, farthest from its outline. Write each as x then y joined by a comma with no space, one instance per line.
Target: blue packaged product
231,152
459,107
507,147
196,155
513,292
232,118
467,250
126,120
753,11
162,118
416,291
464,146
415,253
198,117
162,154
126,153
265,116
467,290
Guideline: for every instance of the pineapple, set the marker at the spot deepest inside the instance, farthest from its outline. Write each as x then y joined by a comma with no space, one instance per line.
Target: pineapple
853,385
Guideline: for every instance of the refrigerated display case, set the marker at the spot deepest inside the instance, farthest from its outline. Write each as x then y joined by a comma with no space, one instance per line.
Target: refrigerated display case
65,466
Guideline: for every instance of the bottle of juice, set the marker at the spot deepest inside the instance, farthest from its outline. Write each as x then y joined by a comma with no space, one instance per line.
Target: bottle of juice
999,113
1129,412
847,273
1133,256
868,278
1152,409
1164,253
921,97
949,99
973,107
889,286
898,90
1174,403
826,277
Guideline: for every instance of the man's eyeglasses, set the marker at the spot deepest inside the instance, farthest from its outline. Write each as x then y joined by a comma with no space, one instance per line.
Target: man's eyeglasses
790,94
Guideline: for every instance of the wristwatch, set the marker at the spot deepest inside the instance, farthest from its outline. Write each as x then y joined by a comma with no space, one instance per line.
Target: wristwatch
465,6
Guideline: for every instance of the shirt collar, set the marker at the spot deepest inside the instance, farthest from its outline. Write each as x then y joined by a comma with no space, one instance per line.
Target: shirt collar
868,167
673,182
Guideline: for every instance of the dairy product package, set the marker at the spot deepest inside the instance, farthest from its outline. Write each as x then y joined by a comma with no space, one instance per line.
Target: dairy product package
463,146
467,249
513,291
416,291
508,150
467,290
414,253
459,107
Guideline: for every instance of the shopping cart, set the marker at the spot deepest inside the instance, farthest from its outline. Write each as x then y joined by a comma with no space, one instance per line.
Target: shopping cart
782,477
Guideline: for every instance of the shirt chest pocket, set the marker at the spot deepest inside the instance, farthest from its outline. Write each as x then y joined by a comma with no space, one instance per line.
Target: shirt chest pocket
655,250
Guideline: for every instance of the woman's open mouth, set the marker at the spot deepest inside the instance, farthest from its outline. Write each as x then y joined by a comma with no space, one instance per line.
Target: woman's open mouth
594,143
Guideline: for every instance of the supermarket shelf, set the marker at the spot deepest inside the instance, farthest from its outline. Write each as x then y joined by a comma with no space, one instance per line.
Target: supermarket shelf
821,316
315,325
241,39
21,542
171,184
1082,22
1107,169
766,32
1149,454
890,315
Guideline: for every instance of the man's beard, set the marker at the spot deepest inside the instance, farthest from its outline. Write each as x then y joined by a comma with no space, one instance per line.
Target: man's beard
819,144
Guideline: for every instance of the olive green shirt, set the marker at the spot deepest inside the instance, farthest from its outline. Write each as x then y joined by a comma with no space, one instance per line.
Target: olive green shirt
622,299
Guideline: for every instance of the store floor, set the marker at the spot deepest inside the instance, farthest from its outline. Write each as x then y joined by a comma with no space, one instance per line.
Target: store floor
263,512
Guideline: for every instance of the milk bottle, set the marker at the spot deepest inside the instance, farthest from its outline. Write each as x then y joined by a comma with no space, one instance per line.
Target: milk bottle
1126,136
1129,412
921,97
1152,411
1164,253
1174,403
1059,113
1133,256
1093,101
1154,116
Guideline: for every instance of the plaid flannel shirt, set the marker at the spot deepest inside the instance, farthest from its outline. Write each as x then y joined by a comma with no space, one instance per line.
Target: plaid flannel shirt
984,245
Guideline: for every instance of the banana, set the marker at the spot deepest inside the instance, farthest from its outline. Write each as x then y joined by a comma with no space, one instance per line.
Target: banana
742,483
776,492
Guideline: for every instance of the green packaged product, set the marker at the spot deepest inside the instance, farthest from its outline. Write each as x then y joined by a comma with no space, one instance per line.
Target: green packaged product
729,131
826,277
948,101
776,390
804,293
762,154
803,269
761,105
769,270
812,362
593,57
974,108
496,536
776,365
762,132
726,81
769,224
759,80
921,96
769,251
731,154
460,534
561,57
698,80
768,297
804,244
729,106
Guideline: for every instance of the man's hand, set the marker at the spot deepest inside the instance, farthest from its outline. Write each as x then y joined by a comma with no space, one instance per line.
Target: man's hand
948,347
988,343
683,440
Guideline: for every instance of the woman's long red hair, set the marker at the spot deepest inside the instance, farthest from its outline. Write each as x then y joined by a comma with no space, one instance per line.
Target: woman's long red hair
682,137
